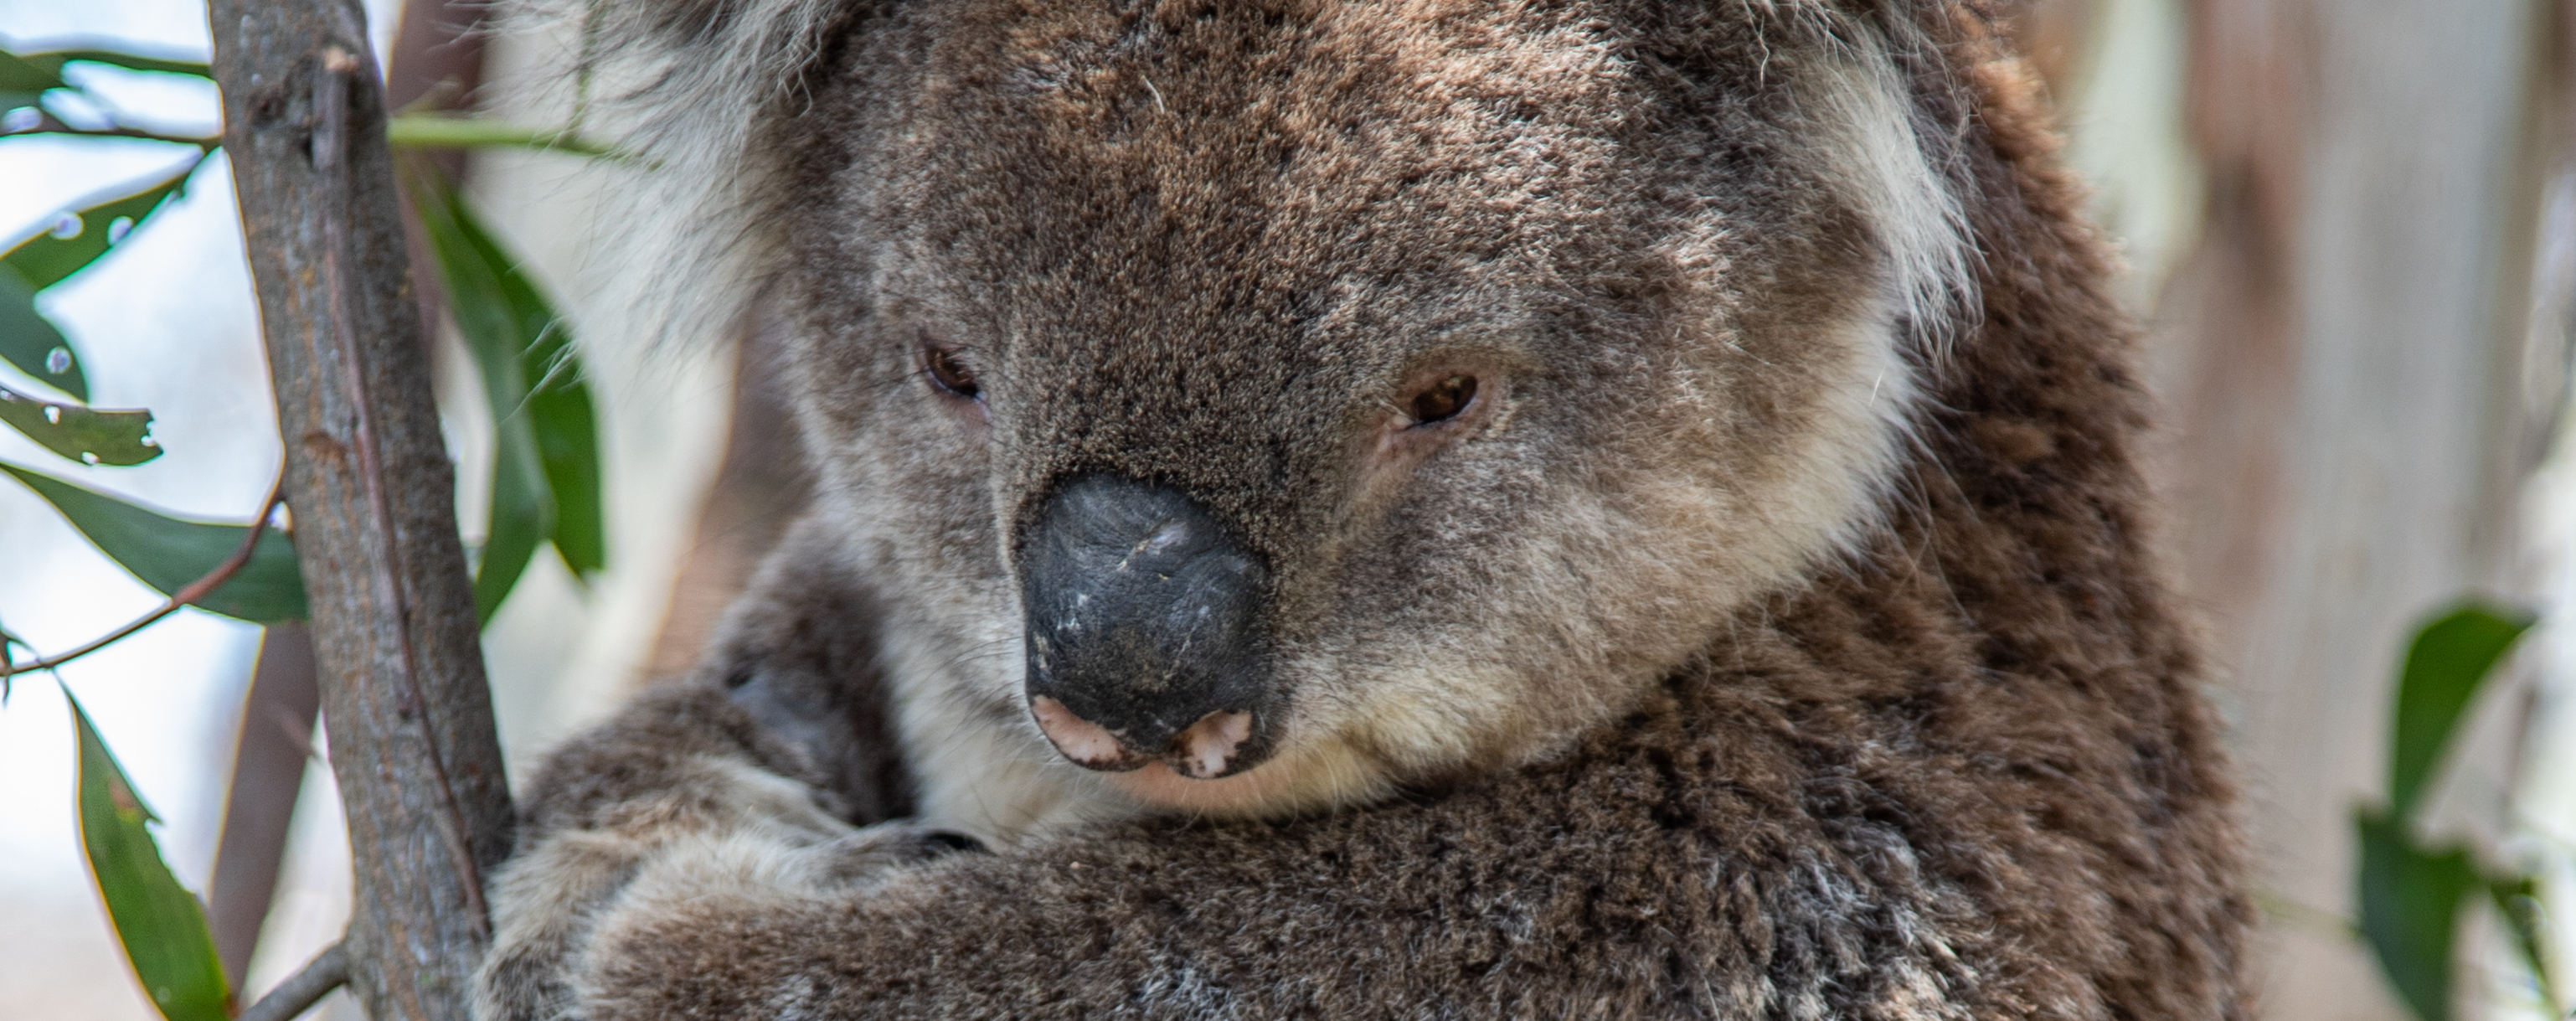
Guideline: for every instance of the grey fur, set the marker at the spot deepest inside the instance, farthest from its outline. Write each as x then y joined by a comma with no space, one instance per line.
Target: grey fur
1770,637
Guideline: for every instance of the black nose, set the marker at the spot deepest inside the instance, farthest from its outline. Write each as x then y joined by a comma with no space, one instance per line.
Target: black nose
1144,630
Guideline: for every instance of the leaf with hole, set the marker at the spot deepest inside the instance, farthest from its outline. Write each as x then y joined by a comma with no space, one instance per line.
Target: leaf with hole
44,260
87,435
2450,657
29,341
169,554
161,924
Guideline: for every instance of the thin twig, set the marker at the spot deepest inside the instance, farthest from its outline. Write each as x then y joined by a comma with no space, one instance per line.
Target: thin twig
327,971
196,590
582,66
48,124
2314,919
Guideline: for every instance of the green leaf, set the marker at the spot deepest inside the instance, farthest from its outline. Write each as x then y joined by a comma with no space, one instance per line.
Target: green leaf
451,131
30,342
9,645
86,435
27,339
44,260
558,406
168,553
2517,900
26,74
546,452
2449,659
521,516
2410,903
53,62
567,435
160,922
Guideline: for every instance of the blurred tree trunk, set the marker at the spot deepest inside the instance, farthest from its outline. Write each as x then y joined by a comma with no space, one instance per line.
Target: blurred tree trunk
759,489
2341,362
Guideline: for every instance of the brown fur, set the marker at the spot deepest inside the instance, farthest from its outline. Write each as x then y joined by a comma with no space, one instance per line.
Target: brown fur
1952,764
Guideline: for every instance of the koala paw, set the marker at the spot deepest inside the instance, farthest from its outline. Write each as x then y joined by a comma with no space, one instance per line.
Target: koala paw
867,855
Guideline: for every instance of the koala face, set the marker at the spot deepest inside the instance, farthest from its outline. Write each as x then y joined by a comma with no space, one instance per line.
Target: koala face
1269,405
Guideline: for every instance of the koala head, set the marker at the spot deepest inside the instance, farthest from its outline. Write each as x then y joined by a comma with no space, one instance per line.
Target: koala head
1267,404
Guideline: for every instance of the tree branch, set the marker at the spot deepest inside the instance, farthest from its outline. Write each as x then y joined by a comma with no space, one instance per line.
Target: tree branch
196,590
327,971
373,493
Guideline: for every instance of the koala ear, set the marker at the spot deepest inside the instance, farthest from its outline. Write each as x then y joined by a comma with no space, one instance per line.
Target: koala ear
686,69
682,86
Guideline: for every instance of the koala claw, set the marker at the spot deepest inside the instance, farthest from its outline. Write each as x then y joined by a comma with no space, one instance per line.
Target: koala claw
870,853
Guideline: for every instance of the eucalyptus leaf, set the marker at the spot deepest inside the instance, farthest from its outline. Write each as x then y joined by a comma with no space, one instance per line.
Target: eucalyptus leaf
161,924
45,259
82,434
9,644
452,131
2451,656
168,553
520,517
29,74
53,61
2410,903
546,463
2517,901
29,341
557,403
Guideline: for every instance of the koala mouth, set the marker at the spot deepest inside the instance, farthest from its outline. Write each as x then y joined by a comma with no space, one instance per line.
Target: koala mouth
1145,640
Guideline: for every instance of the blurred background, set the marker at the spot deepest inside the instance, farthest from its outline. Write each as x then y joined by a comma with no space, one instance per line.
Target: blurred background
2349,230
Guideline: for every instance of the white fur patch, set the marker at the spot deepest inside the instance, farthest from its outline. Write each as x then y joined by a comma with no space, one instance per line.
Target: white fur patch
997,782
1893,166
683,101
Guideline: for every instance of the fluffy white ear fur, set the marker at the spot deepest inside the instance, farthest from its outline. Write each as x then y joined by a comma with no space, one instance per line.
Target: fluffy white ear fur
1901,170
678,84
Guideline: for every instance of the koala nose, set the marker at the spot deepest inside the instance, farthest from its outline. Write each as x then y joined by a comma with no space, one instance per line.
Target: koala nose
1145,637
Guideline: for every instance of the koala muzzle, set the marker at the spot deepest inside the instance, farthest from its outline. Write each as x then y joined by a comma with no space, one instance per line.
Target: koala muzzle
1145,631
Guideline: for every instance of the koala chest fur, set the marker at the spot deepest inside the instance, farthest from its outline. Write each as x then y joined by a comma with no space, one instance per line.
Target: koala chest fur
1415,508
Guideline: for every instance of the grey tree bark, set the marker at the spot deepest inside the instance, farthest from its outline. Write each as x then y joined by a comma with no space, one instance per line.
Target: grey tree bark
371,490
433,59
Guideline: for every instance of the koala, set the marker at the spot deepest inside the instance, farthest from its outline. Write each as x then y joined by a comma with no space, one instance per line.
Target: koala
1396,508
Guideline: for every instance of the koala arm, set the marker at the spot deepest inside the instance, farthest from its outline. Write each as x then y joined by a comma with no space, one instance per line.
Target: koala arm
1557,891
777,749
733,847
684,772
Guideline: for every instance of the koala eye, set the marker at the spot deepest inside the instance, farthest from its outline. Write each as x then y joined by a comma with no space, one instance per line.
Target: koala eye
949,374
1443,400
